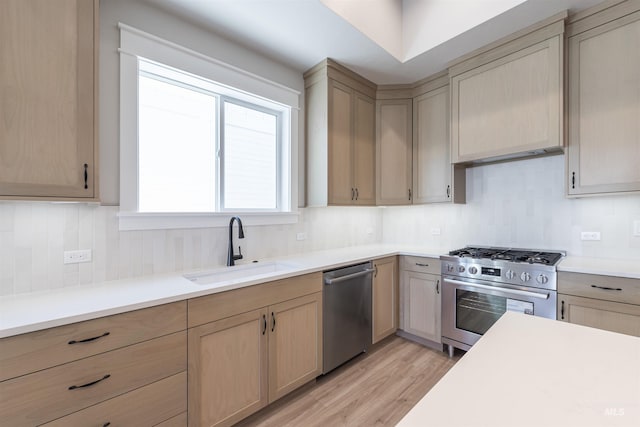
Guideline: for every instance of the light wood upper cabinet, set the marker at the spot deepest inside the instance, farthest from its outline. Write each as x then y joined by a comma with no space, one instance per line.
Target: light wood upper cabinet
394,151
604,102
434,178
340,136
48,114
384,298
506,99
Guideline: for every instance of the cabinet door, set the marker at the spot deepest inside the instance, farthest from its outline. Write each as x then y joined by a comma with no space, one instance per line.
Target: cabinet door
228,369
421,304
47,113
431,148
340,135
364,150
604,108
384,298
394,152
607,315
295,344
509,106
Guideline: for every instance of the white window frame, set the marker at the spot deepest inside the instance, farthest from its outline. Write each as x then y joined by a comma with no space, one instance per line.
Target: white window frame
136,44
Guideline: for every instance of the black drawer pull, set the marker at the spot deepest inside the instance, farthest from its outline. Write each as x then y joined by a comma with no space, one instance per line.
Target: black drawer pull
73,387
264,326
89,339
422,265
606,288
273,322
562,311
86,176
107,424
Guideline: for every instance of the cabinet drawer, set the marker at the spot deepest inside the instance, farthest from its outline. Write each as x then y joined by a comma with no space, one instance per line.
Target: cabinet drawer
420,264
150,405
609,288
226,304
52,393
27,353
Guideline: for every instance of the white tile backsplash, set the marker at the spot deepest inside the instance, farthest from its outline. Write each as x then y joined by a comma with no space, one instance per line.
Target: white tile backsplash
33,237
519,204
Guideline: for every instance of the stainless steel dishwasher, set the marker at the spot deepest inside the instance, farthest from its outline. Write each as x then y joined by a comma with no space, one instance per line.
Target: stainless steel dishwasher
346,314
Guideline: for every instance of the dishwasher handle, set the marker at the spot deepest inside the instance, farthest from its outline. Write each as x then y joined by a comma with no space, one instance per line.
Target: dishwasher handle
348,276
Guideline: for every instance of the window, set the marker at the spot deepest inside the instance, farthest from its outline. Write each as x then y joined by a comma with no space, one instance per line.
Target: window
200,150
195,149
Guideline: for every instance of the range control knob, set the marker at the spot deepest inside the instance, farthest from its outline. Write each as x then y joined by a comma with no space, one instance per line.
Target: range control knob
473,270
449,268
510,274
525,277
542,279
461,268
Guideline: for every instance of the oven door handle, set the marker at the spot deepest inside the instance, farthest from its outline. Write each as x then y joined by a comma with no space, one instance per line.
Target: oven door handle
498,288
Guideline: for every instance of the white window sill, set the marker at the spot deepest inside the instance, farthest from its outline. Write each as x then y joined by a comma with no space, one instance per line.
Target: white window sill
164,221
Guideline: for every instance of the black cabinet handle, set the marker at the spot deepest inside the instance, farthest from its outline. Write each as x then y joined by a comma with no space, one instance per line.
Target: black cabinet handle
273,322
409,194
422,265
357,194
74,387
264,325
107,424
606,288
375,270
562,310
438,286
88,339
573,180
86,176
353,194
448,191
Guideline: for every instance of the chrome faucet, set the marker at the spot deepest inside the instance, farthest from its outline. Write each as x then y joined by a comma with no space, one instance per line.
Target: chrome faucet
231,258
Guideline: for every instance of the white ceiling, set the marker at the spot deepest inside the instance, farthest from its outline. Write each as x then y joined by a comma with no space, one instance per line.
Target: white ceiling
420,38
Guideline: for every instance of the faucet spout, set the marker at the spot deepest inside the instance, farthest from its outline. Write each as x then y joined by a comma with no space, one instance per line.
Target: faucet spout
231,258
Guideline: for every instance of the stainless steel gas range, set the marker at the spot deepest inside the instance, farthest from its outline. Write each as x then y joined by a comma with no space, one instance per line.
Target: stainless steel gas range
480,283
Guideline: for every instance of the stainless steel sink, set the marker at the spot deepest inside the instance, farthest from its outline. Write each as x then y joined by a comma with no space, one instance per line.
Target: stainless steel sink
240,272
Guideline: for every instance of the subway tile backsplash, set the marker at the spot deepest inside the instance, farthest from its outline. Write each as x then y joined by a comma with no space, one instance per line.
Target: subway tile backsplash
518,204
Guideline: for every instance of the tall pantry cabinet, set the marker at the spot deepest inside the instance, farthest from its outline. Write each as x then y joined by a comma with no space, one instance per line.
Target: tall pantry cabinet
48,114
340,135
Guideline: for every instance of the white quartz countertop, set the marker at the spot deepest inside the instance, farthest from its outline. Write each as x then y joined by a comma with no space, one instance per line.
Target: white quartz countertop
601,266
532,371
30,312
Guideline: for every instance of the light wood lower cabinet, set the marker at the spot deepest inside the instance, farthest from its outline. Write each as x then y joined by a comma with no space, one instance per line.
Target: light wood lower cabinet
603,302
241,363
420,294
228,369
607,315
151,405
384,298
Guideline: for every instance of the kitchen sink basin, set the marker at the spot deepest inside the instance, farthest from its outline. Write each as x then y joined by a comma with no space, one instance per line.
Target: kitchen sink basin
240,272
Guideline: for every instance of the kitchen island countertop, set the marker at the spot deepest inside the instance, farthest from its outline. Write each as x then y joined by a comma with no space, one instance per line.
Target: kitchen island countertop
532,371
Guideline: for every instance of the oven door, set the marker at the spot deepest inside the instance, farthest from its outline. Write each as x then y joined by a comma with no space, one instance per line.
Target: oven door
471,307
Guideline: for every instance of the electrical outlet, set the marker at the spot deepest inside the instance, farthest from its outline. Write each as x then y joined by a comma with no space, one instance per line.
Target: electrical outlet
435,231
75,257
369,231
636,228
301,236
590,235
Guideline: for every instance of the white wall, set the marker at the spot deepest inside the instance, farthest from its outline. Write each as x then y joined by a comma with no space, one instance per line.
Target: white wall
521,204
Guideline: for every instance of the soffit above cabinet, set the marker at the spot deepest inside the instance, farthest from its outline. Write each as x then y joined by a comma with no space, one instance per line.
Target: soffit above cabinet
303,32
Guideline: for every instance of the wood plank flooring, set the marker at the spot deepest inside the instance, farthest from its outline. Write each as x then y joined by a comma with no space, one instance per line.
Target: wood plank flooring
374,389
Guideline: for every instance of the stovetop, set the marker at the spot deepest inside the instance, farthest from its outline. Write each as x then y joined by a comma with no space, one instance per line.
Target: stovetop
511,266
509,254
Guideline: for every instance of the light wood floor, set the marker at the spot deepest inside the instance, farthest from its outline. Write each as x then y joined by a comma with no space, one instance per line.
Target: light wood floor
375,389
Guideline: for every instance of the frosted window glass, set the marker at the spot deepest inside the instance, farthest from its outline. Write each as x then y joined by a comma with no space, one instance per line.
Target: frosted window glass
250,158
177,131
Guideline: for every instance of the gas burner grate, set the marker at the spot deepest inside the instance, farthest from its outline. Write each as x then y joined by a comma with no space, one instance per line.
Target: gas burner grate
506,254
